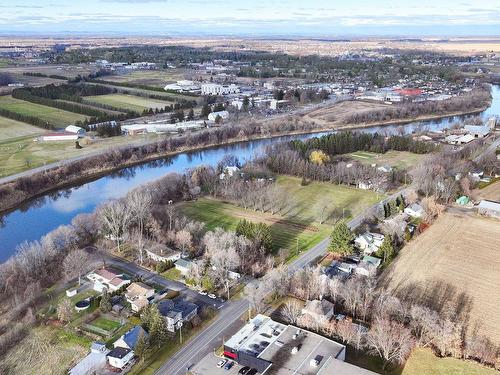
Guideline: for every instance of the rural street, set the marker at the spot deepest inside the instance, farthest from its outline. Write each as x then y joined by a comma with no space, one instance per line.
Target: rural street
229,315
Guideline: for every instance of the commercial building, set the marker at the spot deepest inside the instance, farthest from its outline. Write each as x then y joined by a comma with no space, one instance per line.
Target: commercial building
272,347
183,86
61,136
218,89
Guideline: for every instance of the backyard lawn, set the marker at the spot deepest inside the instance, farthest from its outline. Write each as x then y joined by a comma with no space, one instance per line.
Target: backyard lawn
130,102
396,159
105,324
54,116
299,227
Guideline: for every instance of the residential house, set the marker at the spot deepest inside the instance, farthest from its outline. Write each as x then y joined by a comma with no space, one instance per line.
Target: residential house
320,310
221,114
414,210
385,169
369,242
476,174
138,295
368,266
161,253
120,357
178,312
106,278
341,270
183,265
130,338
229,171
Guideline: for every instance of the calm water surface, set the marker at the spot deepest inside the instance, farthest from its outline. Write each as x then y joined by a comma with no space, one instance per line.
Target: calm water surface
46,213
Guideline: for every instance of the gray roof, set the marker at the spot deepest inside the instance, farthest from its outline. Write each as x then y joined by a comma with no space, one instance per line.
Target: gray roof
119,352
489,205
183,263
168,307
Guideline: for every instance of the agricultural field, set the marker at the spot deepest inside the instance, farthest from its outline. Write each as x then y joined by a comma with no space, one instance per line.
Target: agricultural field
299,225
491,192
14,129
156,78
335,114
455,261
20,154
129,102
396,159
55,116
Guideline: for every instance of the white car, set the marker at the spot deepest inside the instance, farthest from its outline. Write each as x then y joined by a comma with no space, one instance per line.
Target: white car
220,364
202,292
213,296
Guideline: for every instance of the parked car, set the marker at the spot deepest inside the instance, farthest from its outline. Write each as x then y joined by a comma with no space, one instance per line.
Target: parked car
221,363
228,365
202,292
213,296
244,370
252,372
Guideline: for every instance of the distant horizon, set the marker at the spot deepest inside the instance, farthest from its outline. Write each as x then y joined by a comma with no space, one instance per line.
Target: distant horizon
261,18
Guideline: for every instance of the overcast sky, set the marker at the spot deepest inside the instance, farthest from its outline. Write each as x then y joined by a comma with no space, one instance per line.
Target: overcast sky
251,17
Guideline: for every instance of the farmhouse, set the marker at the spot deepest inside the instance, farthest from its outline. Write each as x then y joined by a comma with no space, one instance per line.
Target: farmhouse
108,279
272,347
489,208
139,295
178,312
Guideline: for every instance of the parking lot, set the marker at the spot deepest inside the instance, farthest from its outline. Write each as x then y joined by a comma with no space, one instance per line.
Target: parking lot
208,365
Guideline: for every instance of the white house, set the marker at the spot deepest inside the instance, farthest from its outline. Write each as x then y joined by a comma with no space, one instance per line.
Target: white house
75,130
229,171
183,266
414,210
369,242
138,294
105,278
120,357
276,104
213,116
385,169
161,253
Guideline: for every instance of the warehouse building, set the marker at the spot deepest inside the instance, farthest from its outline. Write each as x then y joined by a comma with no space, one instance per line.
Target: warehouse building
218,89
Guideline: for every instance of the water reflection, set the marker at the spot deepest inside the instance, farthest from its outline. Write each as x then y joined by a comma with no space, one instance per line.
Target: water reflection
43,214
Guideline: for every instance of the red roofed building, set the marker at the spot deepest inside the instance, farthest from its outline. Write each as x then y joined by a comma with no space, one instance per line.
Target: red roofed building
409,92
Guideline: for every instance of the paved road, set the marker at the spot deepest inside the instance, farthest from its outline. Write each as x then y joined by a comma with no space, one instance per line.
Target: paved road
229,315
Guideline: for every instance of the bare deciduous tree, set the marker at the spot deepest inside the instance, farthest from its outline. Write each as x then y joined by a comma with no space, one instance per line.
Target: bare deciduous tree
183,239
291,311
65,311
115,218
390,340
76,263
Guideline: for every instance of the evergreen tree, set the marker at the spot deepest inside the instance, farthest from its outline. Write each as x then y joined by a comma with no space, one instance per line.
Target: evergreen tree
341,239
190,115
386,250
105,304
141,347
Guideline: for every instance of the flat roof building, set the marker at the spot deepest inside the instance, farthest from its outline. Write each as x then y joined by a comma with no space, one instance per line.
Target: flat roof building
275,348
